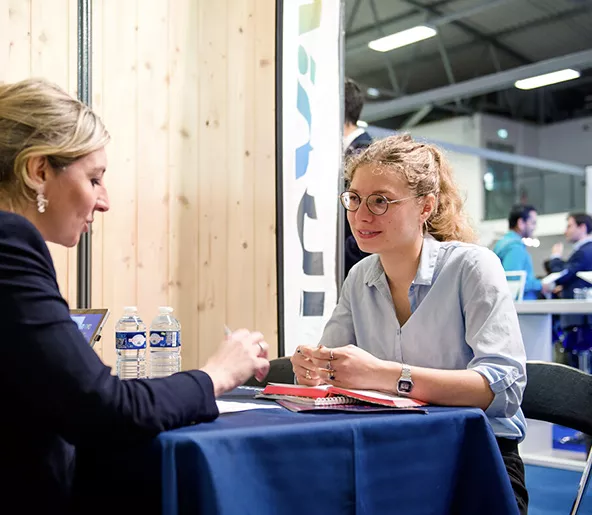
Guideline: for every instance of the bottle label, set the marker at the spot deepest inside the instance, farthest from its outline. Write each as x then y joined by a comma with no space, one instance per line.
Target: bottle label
131,340
165,339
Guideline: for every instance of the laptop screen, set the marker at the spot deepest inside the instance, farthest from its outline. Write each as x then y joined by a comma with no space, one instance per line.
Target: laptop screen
90,322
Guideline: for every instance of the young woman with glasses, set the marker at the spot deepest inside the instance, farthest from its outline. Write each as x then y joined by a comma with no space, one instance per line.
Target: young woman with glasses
429,314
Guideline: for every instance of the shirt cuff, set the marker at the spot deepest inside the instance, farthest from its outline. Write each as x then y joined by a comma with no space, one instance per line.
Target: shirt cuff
499,382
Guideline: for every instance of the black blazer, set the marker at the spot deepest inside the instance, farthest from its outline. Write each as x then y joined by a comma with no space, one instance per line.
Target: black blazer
363,141
579,261
352,253
57,396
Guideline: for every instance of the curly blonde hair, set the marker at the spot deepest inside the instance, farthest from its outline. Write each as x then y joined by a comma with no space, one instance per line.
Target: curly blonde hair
426,170
38,118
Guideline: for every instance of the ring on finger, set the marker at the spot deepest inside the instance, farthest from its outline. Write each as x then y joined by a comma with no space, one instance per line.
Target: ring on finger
307,374
331,355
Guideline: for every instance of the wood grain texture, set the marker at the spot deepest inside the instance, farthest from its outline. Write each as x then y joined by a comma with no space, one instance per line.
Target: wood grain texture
187,91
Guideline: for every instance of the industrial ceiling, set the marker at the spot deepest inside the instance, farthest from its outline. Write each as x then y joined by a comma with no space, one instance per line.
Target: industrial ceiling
480,49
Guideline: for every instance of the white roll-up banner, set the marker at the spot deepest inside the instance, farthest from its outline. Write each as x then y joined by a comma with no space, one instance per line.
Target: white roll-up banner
309,167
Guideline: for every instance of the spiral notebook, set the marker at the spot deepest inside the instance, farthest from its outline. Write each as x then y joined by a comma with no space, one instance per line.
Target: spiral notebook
311,401
326,395
351,406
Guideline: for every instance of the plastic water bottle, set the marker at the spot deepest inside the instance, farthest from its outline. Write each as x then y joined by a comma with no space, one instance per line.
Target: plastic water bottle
165,344
130,344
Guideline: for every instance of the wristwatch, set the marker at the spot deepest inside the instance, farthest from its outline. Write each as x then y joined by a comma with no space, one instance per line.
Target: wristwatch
405,383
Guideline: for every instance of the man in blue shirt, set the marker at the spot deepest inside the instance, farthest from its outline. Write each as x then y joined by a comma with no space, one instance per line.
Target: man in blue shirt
513,253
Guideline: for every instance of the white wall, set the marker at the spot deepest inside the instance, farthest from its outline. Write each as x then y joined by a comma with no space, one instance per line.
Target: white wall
463,130
569,142
523,137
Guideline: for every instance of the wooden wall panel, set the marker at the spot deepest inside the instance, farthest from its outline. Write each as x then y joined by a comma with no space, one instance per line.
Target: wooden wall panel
199,101
184,150
119,90
263,126
186,89
241,185
212,198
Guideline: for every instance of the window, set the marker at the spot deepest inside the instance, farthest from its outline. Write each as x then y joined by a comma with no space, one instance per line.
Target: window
499,185
549,192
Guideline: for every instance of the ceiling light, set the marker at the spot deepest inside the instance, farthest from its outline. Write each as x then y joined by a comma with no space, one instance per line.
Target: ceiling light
547,79
502,134
373,92
403,38
531,242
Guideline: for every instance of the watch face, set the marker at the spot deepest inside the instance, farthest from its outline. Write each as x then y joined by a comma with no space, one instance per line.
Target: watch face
405,386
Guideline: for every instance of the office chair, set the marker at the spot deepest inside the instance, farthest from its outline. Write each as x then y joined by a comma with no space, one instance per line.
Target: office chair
561,395
280,371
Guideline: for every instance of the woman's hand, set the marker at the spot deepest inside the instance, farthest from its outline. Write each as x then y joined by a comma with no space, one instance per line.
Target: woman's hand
352,367
304,369
240,356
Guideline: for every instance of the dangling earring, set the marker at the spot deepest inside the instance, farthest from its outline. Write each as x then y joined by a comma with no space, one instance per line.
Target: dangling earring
41,202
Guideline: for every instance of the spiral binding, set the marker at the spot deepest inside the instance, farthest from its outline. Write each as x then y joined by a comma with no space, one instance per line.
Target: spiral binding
321,401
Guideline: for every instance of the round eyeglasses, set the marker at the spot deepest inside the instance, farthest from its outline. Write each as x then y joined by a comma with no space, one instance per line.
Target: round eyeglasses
377,204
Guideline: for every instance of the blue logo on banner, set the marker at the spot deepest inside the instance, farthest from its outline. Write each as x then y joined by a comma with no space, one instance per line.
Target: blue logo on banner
313,303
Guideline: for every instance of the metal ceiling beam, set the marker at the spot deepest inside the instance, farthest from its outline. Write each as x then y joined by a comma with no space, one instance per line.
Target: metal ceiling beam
352,16
393,19
481,85
417,117
385,58
493,155
503,33
472,31
546,20
466,13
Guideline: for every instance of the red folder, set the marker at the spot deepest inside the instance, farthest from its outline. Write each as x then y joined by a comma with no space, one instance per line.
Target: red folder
277,390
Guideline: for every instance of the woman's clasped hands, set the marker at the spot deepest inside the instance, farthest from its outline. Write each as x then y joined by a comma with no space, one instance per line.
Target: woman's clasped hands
348,367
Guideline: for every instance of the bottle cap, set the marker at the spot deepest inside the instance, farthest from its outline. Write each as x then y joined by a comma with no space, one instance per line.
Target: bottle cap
165,310
130,309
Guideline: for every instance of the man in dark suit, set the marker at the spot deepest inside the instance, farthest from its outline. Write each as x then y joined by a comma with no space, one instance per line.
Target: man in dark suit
355,139
577,329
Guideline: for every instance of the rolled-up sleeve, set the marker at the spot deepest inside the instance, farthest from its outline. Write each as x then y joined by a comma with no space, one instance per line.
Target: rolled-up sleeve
339,330
493,332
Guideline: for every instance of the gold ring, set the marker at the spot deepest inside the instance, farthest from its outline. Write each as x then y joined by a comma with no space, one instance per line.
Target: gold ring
307,375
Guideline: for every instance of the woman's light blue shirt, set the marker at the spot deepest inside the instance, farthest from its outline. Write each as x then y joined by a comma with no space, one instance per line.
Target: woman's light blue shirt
463,317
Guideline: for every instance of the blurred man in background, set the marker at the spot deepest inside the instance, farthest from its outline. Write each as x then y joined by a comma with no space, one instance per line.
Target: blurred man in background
512,251
576,328
355,139
576,340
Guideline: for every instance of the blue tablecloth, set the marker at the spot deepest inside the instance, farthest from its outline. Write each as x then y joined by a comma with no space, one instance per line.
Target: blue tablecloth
274,462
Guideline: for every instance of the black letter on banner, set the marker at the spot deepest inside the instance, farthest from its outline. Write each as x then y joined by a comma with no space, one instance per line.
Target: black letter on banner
313,303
